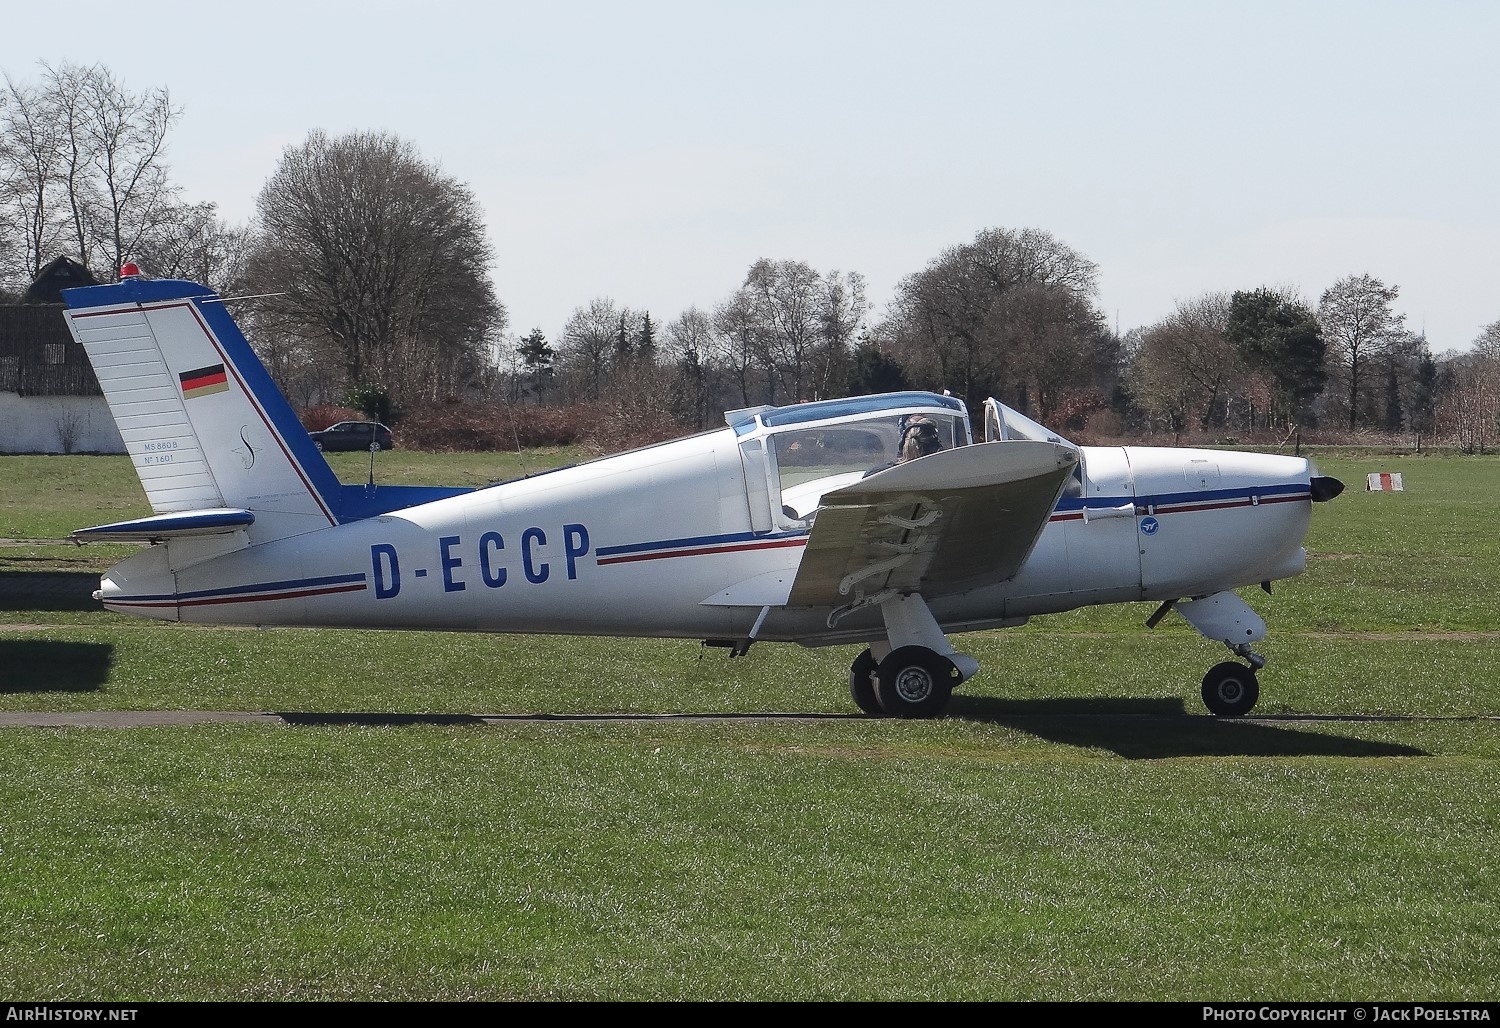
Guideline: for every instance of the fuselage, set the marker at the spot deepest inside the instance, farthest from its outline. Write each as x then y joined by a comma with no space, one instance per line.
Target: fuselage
640,544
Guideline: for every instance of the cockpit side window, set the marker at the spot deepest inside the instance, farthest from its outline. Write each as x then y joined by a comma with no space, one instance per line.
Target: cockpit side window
806,455
813,460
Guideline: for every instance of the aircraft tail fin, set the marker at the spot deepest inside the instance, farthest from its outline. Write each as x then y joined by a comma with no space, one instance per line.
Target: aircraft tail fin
204,424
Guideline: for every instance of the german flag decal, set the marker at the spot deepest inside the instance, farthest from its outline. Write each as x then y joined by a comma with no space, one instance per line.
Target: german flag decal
204,381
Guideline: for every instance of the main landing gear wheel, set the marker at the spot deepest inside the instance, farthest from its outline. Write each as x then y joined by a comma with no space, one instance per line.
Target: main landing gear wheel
914,682
1230,689
862,683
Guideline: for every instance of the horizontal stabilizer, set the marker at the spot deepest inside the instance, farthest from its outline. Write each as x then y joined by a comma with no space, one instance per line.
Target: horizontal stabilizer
217,521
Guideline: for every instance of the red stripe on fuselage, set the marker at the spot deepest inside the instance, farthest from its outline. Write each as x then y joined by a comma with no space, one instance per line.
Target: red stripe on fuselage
1181,508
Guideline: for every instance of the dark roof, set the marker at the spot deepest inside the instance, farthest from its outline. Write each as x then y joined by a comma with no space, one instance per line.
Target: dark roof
56,275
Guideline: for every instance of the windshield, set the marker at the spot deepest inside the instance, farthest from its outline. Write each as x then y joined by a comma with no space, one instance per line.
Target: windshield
1002,422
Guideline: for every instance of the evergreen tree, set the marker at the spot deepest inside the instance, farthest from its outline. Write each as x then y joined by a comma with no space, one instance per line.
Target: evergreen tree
624,346
1280,337
537,358
873,372
645,347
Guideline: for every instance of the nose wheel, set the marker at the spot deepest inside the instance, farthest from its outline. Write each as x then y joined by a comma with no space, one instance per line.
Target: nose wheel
1230,689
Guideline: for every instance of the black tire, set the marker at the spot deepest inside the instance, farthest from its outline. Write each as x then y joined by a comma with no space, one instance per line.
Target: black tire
915,682
862,684
318,444
1230,689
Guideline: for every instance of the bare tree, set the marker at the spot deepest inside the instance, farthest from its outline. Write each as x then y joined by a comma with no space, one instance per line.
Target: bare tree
784,298
1487,343
736,344
688,336
950,322
363,244
1005,257
686,346
1358,323
30,156
937,329
1468,406
1183,365
1059,341
125,136
588,342
192,242
788,330
842,311
85,165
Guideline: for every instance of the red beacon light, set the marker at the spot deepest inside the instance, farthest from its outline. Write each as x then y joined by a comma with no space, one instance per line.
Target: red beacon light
130,270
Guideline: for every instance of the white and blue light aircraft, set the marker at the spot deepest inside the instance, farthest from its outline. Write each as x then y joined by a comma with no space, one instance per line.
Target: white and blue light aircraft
771,528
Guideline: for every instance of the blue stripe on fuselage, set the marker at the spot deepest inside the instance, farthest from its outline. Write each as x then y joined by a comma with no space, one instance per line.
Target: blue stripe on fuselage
1076,503
240,590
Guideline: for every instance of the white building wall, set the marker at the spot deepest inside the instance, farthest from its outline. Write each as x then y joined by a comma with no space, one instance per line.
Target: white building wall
57,424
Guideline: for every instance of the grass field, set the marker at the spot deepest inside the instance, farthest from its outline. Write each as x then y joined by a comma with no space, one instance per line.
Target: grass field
647,820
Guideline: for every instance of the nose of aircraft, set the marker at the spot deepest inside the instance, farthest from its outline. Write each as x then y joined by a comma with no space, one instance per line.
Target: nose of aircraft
1325,488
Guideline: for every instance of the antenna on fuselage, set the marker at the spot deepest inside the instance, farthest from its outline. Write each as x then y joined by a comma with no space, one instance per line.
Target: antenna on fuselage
521,460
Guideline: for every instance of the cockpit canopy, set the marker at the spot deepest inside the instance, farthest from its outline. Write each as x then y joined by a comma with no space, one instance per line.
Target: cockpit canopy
794,455
812,448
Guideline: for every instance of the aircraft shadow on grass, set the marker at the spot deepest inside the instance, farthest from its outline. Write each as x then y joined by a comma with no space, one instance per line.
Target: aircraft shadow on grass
49,590
1152,729
49,665
1136,729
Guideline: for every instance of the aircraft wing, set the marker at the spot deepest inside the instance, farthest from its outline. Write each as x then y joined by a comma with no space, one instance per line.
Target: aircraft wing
945,523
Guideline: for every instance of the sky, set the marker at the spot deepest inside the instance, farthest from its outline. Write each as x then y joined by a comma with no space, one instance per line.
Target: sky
649,152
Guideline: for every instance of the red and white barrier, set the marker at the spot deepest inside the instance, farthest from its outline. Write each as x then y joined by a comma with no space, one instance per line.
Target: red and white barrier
1384,482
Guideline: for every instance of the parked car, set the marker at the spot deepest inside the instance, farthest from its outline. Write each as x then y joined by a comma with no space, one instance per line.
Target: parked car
354,435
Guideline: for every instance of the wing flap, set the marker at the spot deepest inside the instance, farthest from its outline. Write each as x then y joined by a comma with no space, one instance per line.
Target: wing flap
942,524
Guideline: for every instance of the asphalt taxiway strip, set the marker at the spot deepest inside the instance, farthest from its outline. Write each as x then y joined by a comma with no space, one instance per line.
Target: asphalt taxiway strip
161,718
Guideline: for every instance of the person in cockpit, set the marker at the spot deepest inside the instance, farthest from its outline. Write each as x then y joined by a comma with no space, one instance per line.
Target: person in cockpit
919,437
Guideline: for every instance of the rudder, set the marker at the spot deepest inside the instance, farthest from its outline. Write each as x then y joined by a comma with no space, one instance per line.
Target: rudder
201,419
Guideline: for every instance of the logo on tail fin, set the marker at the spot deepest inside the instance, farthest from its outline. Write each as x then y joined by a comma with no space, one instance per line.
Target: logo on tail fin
247,455
204,381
